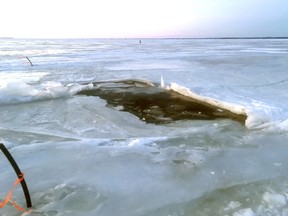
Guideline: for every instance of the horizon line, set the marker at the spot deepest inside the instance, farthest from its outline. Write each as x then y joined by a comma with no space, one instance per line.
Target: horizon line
228,37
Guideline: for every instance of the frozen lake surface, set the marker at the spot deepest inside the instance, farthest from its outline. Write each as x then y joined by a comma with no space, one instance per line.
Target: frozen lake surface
89,144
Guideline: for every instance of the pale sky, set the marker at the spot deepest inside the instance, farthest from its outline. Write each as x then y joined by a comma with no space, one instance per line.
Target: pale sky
143,18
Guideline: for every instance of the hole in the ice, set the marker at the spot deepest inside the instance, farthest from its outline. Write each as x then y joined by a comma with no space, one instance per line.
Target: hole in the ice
156,105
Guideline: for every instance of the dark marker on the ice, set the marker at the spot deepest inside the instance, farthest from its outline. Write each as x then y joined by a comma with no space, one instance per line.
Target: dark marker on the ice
29,61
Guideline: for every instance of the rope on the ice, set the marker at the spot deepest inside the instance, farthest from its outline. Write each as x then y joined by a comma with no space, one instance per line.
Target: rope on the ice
19,180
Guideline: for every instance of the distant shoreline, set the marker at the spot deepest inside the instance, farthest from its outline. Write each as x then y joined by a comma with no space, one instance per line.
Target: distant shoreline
225,38
156,38
212,38
6,38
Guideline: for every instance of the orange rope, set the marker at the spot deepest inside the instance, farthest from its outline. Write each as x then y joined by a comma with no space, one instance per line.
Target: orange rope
9,195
